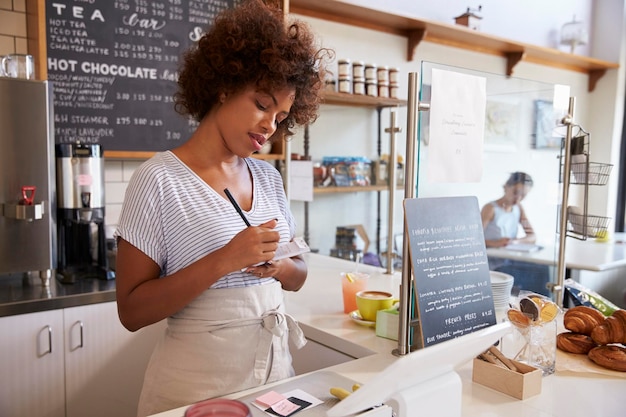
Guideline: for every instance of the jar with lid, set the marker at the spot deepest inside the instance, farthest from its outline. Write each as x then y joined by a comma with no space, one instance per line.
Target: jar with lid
383,75
370,72
383,90
345,84
330,85
371,88
344,68
393,90
393,75
358,70
358,85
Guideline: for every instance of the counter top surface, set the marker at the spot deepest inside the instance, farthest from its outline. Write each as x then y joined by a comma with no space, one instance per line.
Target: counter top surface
319,310
24,293
318,307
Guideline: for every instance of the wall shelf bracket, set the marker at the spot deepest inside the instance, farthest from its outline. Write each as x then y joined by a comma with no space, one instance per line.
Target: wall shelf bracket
594,76
512,59
415,37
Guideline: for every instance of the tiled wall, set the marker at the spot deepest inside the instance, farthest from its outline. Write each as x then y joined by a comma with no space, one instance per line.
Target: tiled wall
116,176
13,39
13,27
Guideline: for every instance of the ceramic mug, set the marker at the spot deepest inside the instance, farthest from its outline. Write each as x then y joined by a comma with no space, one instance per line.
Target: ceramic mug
369,302
17,66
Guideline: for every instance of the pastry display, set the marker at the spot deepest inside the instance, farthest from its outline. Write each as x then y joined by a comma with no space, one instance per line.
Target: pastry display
610,357
601,338
582,319
575,342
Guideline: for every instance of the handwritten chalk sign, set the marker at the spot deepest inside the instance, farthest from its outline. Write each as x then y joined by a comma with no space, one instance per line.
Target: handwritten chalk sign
450,270
114,66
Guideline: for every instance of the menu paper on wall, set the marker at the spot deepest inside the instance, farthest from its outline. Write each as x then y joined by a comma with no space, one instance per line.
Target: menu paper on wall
114,67
450,269
457,127
301,180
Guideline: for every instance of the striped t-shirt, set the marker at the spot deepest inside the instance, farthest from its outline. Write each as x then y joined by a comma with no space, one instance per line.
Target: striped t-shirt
175,218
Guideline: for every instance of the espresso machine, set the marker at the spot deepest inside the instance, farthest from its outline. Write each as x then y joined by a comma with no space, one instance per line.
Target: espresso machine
80,213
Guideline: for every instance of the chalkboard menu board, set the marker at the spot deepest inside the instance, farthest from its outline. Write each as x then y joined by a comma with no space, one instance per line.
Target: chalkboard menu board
450,269
114,65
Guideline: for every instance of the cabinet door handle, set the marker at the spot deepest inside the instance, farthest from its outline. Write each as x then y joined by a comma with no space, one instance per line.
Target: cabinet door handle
81,344
81,335
49,340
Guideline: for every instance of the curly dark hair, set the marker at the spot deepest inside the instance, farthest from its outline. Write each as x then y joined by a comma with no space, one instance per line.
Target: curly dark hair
252,44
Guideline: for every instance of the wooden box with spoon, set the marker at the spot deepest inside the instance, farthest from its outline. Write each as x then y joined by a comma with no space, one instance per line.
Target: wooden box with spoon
505,375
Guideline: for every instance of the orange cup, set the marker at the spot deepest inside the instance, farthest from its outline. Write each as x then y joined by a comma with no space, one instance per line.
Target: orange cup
351,283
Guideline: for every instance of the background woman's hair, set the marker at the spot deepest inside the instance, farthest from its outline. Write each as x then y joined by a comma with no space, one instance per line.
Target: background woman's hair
253,44
519,178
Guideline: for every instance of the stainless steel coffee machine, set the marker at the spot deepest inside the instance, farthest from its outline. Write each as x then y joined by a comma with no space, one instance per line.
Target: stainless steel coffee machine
80,213
27,178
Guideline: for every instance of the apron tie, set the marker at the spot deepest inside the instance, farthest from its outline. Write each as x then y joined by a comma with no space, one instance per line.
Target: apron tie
275,323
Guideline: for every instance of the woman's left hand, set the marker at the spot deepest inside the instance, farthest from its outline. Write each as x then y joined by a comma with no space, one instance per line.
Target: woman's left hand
267,270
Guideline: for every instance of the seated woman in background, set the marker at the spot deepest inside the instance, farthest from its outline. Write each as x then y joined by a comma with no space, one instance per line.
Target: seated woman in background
501,220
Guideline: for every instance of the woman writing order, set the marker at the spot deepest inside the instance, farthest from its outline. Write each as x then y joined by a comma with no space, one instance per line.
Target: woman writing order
184,253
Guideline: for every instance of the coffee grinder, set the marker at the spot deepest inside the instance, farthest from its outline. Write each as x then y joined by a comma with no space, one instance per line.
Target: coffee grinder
80,213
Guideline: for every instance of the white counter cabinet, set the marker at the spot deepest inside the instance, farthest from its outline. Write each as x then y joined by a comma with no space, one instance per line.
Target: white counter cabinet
74,362
32,365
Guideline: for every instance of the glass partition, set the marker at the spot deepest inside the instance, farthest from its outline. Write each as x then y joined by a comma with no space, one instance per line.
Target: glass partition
498,139
522,133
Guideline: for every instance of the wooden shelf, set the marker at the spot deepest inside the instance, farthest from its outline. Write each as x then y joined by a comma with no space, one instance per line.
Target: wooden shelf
354,189
150,154
346,99
418,30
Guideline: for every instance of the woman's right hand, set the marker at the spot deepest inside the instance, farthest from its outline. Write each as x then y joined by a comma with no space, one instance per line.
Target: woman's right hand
254,245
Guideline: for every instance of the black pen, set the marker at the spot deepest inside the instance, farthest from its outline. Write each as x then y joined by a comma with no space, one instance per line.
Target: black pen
232,200
243,216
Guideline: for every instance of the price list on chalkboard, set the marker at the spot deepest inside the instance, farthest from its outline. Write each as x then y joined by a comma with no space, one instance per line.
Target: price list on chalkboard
114,64
450,268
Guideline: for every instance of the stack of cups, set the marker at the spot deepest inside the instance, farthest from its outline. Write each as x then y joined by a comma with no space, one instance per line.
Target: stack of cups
371,80
344,76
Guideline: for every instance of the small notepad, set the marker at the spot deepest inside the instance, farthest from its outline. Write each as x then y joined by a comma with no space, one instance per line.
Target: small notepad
523,247
285,405
296,247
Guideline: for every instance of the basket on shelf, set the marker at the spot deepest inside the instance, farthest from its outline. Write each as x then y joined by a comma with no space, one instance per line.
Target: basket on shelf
594,226
591,173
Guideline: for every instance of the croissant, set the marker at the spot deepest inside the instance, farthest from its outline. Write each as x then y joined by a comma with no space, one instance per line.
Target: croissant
610,357
574,342
582,319
613,330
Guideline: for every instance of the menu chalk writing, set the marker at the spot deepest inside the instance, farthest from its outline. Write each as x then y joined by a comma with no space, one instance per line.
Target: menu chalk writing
450,269
114,65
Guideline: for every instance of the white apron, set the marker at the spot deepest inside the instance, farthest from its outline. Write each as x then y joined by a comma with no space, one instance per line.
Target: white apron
243,345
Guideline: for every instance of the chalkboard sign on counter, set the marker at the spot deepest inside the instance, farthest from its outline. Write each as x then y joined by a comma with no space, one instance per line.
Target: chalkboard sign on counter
114,65
450,269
